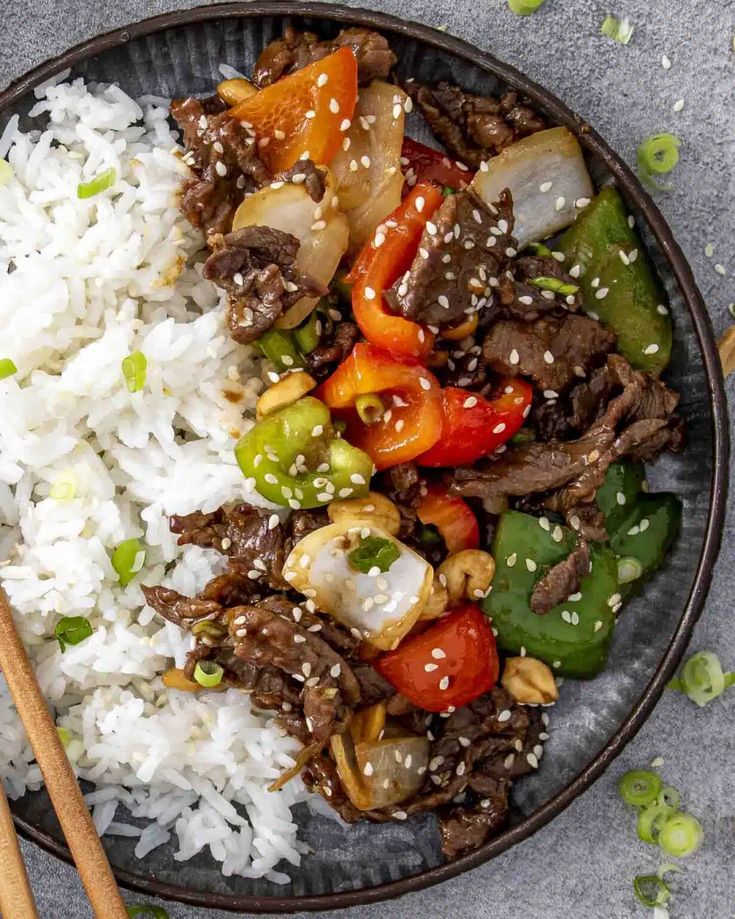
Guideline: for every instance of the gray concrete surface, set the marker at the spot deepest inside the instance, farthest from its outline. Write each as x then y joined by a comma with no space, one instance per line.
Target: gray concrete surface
581,866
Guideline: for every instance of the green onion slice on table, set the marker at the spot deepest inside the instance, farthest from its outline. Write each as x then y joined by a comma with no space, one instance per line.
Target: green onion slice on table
146,909
658,155
128,559
651,890
651,820
374,552
98,184
681,835
524,7
72,630
702,679
640,787
135,369
208,674
620,30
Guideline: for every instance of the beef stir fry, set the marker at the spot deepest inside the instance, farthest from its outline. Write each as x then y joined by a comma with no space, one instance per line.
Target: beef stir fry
464,358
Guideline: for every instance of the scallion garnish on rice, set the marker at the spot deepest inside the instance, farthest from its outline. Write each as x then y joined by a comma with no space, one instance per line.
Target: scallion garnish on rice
135,369
72,630
620,30
524,7
98,184
128,559
6,172
7,368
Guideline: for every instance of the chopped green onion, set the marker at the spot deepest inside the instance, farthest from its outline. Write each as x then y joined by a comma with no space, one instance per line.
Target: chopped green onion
7,368
524,436
681,835
629,569
540,249
657,155
651,819
64,488
554,284
428,535
307,335
701,678
6,172
524,7
665,869
669,796
98,184
620,30
72,630
370,408
64,736
374,552
147,909
127,560
279,346
208,674
134,368
448,190
207,627
639,787
651,890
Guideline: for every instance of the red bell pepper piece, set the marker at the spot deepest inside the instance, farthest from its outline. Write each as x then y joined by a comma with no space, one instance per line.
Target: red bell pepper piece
461,645
379,265
306,111
424,164
474,426
452,516
411,396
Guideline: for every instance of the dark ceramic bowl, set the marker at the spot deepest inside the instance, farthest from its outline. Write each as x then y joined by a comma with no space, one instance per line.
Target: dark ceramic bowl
179,53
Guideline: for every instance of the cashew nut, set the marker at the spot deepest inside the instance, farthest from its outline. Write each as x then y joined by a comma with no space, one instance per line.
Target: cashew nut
467,574
287,390
375,509
529,681
437,602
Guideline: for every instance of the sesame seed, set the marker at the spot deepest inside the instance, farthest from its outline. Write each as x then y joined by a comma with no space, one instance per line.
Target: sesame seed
559,203
602,293
650,349
335,671
460,770
598,625
548,357
424,383
720,269
514,357
365,161
310,114
438,654
444,683
220,168
333,106
574,271
532,760
400,815
345,125
443,301
614,599
499,428
530,564
545,186
397,110
470,402
299,639
666,62
368,769
512,559
430,668
505,715
557,534
582,202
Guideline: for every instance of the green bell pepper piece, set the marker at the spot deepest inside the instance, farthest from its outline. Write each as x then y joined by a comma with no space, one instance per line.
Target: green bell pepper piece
642,526
279,346
296,460
573,638
307,334
601,242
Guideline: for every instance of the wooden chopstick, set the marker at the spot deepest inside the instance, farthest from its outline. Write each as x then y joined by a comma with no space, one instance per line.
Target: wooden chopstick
61,784
16,896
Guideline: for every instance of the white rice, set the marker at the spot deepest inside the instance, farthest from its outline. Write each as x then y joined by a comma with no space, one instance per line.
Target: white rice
82,284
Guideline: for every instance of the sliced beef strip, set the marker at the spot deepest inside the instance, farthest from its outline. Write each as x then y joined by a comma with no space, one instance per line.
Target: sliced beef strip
464,368
264,638
461,252
257,267
224,157
298,49
314,178
553,351
578,467
562,580
467,828
333,349
576,410
588,521
518,299
473,127
180,610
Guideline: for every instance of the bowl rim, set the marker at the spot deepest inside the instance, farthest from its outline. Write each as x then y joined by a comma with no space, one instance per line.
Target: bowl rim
642,202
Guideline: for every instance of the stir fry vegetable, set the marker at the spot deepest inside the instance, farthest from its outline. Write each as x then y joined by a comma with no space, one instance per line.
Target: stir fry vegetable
452,517
453,662
618,282
303,113
381,263
367,167
412,422
547,177
380,592
473,426
98,184
424,164
381,773
322,230
574,636
295,459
